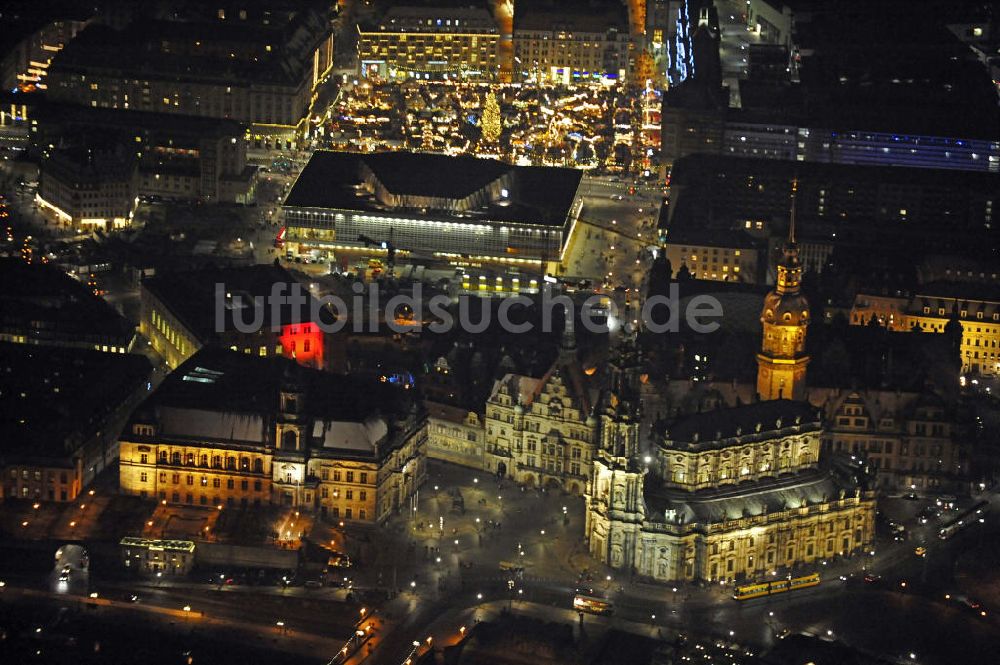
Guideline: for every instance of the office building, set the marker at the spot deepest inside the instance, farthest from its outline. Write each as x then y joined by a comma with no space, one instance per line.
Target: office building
255,62
34,32
726,256
575,43
430,43
181,312
91,186
40,305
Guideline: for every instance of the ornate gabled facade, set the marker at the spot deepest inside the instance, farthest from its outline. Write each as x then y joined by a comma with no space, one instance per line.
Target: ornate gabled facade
734,492
228,428
908,438
543,432
759,502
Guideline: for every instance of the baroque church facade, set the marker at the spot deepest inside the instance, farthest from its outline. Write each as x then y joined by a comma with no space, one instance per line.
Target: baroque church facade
737,492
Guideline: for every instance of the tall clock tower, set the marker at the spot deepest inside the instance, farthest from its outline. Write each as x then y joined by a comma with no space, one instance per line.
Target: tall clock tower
782,361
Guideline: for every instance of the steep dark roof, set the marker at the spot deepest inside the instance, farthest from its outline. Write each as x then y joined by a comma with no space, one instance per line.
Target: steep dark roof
717,424
221,380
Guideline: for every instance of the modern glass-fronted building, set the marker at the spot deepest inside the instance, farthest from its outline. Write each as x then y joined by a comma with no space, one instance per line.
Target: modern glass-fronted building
432,205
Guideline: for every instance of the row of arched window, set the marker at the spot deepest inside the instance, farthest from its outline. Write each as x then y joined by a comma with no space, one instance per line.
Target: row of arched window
242,463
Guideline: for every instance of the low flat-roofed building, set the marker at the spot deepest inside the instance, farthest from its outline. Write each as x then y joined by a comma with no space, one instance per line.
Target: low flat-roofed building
145,556
62,410
180,312
42,305
230,428
477,209
433,43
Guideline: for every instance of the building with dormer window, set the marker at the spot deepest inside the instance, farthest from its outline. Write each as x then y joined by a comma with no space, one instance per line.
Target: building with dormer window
542,432
235,429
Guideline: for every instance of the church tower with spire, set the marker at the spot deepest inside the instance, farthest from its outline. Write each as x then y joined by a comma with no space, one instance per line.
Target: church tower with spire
782,361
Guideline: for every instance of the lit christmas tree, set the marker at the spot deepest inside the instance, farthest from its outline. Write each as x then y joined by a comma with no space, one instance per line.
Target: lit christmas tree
428,137
490,122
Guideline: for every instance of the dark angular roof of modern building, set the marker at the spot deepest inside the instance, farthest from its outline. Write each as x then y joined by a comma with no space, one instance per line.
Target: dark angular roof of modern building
40,292
220,380
538,194
191,297
729,422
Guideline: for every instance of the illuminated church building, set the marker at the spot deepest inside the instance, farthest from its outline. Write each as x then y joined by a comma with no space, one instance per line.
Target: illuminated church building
733,492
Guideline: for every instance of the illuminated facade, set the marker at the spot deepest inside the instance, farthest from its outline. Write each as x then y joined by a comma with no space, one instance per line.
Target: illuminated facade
459,43
323,444
89,187
975,307
730,494
571,44
908,438
155,557
25,66
782,361
542,432
731,256
456,435
734,493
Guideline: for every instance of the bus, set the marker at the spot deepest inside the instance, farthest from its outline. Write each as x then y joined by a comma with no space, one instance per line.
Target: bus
970,516
748,591
592,605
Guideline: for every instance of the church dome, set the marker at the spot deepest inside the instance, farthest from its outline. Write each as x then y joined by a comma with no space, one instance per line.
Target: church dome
785,309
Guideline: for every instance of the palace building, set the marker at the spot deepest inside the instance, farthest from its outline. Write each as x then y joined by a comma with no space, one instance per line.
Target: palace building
738,492
541,431
228,428
729,494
